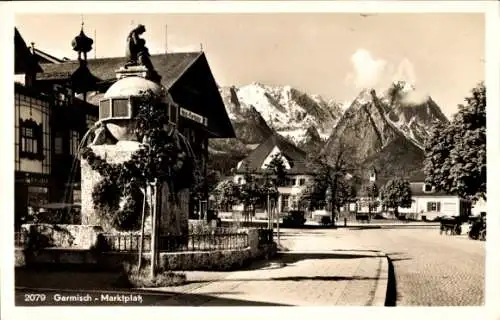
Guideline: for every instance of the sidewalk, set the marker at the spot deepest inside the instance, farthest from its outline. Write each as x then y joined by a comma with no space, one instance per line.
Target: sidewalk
302,276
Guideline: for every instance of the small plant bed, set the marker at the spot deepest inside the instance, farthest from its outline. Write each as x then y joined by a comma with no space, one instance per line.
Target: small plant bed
132,277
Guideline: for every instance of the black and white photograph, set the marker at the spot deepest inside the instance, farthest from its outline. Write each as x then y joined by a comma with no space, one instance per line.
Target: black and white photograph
273,156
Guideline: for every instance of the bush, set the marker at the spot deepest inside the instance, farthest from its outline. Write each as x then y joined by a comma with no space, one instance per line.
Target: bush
132,277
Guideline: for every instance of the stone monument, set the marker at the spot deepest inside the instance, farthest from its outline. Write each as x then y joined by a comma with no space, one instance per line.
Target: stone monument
115,141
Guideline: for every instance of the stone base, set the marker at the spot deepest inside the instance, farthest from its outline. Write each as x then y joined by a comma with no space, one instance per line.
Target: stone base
173,213
131,71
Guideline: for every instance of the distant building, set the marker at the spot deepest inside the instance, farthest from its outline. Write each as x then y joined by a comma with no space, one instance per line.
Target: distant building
294,160
427,203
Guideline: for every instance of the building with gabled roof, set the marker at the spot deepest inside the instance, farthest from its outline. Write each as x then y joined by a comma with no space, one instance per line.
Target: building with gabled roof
187,77
76,88
294,159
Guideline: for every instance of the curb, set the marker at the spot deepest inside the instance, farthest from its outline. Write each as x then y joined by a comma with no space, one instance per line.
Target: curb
379,296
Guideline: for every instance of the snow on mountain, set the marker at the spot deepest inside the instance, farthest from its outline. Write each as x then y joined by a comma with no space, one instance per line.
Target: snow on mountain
285,109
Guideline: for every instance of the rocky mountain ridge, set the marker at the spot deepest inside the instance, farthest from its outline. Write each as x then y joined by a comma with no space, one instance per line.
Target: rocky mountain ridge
391,126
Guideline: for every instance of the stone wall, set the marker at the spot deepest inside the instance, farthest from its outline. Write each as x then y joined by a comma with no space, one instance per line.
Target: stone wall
63,235
197,260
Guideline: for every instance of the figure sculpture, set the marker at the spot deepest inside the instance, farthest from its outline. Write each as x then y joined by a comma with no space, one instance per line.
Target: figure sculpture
133,44
138,53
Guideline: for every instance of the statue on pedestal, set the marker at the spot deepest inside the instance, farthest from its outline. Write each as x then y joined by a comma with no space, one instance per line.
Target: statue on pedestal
138,53
133,44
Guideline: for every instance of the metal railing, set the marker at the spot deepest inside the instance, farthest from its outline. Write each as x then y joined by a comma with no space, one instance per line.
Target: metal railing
174,243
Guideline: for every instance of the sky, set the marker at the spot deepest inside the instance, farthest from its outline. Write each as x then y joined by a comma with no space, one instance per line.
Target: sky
331,54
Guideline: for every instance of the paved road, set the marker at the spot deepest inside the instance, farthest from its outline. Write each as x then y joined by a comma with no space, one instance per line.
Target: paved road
430,269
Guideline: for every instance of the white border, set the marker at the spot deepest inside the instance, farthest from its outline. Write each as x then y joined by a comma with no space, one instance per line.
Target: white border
7,10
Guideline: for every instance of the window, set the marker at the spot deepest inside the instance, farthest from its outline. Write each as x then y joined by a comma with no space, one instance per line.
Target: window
104,111
58,144
284,202
295,202
428,188
37,196
302,182
433,206
173,113
74,141
120,108
30,134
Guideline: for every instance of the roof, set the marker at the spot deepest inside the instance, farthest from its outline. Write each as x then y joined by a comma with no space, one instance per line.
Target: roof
186,75
417,189
44,57
295,155
170,66
24,61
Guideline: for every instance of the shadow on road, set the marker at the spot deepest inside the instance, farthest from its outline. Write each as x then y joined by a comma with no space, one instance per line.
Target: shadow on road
292,257
391,293
298,278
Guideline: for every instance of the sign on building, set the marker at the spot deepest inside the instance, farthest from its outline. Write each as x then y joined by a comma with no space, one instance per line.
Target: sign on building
193,116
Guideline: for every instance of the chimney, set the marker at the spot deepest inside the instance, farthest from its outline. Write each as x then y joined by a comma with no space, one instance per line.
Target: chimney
30,76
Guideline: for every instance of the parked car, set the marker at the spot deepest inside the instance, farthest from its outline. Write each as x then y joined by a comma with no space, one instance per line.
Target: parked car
295,218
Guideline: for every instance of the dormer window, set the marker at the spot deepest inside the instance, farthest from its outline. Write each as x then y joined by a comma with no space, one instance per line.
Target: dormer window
428,188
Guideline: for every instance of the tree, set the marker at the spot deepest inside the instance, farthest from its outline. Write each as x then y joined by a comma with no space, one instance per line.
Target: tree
455,153
276,170
250,194
372,192
331,173
227,193
396,193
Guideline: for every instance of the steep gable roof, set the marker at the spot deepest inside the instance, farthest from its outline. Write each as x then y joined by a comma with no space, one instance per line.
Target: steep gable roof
295,156
24,61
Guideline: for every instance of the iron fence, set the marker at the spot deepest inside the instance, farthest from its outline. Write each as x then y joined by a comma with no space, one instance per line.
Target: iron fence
174,243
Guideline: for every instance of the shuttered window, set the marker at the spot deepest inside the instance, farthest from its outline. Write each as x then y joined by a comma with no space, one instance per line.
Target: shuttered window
120,108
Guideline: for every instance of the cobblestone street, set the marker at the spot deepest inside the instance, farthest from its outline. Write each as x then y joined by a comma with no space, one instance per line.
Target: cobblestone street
311,274
431,269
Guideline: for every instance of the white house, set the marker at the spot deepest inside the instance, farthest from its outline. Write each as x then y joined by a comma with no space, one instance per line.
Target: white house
427,203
